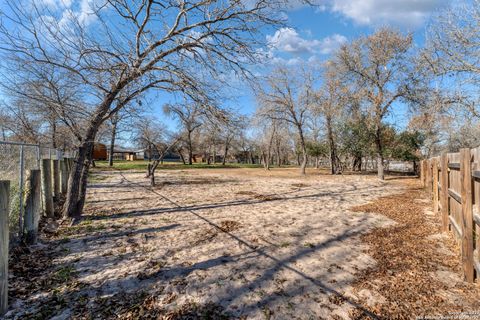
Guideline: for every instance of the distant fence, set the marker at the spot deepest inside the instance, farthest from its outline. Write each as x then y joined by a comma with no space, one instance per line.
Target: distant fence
32,178
16,161
453,180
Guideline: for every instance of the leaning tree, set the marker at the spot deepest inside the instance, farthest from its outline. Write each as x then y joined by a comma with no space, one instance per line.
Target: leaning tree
111,49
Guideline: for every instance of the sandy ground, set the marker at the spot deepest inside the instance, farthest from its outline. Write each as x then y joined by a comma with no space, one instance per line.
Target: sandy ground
287,245
259,245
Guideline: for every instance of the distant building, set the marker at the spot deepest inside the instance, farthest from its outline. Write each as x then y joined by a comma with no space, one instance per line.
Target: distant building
125,154
99,151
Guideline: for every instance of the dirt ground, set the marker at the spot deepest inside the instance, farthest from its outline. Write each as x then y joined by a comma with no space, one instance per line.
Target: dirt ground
220,244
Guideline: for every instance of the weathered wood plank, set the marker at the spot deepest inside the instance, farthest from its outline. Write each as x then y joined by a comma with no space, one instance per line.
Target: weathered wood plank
4,238
456,227
444,190
47,196
56,179
454,166
452,193
467,213
63,176
476,174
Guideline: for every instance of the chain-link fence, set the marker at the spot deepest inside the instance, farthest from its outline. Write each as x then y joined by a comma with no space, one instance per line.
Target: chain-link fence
15,161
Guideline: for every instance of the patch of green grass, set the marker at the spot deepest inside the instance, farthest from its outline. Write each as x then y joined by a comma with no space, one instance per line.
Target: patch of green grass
142,165
64,274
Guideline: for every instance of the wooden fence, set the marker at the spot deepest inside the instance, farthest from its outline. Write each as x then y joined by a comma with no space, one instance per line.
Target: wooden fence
453,181
42,188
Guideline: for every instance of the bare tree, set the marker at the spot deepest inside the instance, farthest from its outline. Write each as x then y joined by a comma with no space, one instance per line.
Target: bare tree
288,97
380,64
157,47
156,141
453,48
189,113
331,99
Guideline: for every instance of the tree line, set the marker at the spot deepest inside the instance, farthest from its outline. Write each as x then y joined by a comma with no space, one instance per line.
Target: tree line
71,81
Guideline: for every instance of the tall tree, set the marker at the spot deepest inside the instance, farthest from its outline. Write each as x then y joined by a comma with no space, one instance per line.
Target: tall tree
189,114
288,97
379,63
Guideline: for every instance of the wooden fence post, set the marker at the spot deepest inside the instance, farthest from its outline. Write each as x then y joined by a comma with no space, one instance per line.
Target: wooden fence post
47,199
63,176
33,206
435,184
56,179
4,238
467,213
445,185
429,177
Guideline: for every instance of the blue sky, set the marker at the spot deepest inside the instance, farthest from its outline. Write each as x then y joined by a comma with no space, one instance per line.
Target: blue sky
314,33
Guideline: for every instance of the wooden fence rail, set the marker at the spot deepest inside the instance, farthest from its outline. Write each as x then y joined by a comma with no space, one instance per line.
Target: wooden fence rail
453,181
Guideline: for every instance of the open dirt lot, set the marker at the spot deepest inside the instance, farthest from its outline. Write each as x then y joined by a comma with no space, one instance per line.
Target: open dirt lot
236,243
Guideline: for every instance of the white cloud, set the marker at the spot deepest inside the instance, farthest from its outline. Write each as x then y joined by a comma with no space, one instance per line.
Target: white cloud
288,40
53,4
410,13
332,43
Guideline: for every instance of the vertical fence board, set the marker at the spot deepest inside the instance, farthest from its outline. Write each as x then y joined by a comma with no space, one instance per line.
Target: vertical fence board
56,179
4,238
63,176
47,198
467,214
33,206
444,191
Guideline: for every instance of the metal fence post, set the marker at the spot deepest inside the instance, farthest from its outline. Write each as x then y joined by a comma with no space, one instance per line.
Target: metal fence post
20,192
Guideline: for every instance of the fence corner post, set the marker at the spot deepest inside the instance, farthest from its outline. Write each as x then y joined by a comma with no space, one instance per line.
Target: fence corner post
4,238
467,213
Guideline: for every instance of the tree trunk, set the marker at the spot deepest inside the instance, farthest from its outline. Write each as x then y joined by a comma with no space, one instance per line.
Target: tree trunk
182,157
152,179
77,181
304,151
378,143
112,142
266,161
54,134
190,148
333,147
225,154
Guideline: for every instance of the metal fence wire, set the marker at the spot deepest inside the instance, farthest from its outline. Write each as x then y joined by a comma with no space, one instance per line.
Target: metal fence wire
15,161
